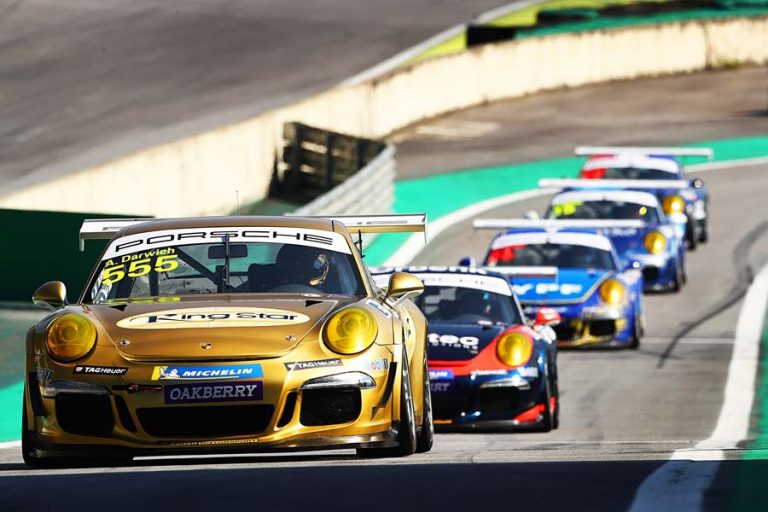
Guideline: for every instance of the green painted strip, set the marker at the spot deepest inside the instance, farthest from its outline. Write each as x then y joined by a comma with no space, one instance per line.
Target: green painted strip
441,194
10,418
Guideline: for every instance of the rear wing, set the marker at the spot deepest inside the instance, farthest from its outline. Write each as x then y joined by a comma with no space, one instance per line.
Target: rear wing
557,223
513,272
634,184
105,229
707,153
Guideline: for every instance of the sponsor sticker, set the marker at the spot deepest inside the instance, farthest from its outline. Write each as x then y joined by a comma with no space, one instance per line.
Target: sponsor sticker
529,372
484,373
310,365
214,392
440,374
375,364
242,371
543,288
99,370
470,343
213,317
441,386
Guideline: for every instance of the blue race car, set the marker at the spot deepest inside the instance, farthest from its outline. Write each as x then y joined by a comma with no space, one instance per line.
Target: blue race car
487,366
677,196
657,247
570,267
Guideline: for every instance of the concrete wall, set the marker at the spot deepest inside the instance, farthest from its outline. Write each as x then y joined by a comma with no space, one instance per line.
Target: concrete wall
199,175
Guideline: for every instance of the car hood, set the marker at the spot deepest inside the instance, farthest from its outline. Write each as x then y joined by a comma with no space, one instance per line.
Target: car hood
570,286
449,341
267,326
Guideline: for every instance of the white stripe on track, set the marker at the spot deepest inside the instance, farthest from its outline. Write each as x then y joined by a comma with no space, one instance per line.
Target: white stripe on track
10,444
680,483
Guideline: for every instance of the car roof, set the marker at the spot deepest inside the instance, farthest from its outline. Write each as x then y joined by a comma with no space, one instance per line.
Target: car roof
657,162
615,194
574,236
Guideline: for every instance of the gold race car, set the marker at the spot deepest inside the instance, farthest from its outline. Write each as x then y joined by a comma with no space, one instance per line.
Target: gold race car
229,334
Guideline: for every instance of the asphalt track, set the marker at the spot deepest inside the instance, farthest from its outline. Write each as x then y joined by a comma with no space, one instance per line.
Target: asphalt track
623,414
84,81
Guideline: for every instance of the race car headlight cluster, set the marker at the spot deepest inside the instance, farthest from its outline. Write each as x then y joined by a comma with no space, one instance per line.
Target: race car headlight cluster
655,242
673,204
613,292
350,331
70,337
514,349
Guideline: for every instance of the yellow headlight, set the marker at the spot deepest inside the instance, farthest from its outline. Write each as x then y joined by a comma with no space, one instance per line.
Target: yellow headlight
673,204
514,349
612,292
70,337
655,242
350,331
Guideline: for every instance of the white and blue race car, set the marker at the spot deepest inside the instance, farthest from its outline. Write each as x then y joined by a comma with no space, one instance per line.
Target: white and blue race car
570,267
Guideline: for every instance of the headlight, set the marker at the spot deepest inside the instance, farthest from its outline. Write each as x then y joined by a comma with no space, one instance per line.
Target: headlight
514,349
350,331
673,204
70,337
655,242
612,292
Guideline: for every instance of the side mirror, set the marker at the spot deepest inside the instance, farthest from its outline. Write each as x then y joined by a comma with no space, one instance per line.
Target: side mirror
51,295
531,215
697,183
547,316
403,285
467,261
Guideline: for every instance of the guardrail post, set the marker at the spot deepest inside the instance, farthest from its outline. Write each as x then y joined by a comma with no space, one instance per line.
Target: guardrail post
330,139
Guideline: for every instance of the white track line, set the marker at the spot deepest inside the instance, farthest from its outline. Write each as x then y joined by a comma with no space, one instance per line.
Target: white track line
680,483
405,56
10,444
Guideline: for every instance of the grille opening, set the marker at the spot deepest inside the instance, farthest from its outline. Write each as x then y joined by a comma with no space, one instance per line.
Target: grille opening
124,414
490,400
566,332
650,273
330,406
86,415
205,421
602,328
446,406
288,409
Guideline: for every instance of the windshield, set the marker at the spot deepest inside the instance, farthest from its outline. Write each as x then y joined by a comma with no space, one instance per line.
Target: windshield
604,210
551,255
131,270
630,173
470,305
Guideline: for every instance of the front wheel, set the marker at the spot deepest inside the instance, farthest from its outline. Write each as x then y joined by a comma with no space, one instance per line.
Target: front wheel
406,435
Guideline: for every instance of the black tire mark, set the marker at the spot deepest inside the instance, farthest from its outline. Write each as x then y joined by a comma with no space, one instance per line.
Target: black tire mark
744,277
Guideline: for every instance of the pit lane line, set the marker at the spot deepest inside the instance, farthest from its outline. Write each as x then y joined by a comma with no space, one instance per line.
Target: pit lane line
680,483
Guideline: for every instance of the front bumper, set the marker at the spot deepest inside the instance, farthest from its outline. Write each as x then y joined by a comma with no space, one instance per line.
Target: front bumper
348,403
492,398
609,328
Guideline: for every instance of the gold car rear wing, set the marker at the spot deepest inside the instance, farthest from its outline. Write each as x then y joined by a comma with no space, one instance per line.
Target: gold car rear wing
105,229
593,184
558,223
707,153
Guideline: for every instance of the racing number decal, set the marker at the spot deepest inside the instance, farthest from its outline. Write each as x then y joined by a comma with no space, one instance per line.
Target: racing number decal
566,209
139,265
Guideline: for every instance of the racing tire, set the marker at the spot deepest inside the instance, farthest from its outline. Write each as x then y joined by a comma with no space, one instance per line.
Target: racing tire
406,434
677,283
550,418
690,235
634,342
426,435
27,444
704,235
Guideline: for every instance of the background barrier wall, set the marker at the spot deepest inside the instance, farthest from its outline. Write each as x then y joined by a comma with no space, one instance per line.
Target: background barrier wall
199,175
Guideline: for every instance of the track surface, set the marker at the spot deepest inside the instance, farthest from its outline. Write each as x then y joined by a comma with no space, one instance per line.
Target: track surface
83,81
623,412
